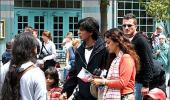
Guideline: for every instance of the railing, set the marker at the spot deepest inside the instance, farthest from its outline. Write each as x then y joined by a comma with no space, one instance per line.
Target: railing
61,57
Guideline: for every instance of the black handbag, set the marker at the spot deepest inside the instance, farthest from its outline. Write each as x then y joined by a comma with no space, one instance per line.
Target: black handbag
42,55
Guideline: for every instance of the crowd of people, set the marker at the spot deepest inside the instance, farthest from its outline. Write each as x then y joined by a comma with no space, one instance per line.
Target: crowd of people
122,65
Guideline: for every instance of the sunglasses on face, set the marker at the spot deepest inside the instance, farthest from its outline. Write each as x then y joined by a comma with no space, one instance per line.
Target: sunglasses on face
128,25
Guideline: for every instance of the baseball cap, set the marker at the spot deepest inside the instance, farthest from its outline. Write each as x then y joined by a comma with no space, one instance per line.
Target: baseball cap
156,94
159,27
162,36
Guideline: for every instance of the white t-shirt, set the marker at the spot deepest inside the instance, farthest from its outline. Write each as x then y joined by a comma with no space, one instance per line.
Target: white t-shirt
87,55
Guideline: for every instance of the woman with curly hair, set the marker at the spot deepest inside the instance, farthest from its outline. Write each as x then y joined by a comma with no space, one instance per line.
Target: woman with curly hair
120,81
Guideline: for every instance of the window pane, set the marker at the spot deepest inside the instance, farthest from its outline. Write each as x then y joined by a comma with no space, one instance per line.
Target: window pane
53,3
120,27
25,18
42,26
150,21
55,26
138,20
19,18
142,6
60,40
70,26
36,25
18,3
61,4
120,13
55,33
128,11
75,33
36,19
70,19
41,19
19,25
143,28
150,28
121,5
27,3
77,4
60,26
128,5
75,26
41,31
60,19
69,4
135,5
143,21
136,13
44,4
143,13
55,19
75,19
55,40
25,24
19,31
35,3
120,21
60,33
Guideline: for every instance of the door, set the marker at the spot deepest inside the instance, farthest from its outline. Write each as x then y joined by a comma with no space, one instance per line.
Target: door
57,22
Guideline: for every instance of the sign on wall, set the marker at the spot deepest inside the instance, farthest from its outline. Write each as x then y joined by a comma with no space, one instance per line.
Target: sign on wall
2,28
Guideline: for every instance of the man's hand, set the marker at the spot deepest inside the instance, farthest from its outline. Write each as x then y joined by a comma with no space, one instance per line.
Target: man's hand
144,91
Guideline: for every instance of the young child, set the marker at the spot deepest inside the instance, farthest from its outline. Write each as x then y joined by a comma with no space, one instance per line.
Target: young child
52,80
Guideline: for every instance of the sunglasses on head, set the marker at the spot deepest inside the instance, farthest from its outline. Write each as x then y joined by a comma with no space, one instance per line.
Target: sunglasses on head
128,25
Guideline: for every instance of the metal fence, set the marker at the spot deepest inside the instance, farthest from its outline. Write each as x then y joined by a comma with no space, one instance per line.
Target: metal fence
61,56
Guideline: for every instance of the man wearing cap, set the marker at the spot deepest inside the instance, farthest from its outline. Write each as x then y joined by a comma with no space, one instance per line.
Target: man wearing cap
155,35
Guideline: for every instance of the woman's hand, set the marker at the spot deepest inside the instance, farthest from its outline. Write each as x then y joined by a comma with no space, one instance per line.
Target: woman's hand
98,81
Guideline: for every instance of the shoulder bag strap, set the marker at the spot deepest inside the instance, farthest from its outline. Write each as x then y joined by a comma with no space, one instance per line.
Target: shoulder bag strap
44,48
27,69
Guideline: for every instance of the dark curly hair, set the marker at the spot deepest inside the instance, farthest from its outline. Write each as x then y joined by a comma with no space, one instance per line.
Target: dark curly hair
116,35
52,71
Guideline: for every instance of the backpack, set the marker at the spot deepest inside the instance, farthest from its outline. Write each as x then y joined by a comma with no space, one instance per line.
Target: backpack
159,76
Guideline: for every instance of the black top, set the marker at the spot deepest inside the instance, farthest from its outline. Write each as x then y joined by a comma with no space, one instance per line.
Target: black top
144,52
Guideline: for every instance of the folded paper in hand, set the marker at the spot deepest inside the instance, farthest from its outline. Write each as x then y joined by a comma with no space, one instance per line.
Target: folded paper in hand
85,75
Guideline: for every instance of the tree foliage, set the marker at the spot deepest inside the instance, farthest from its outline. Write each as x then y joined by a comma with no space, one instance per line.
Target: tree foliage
159,9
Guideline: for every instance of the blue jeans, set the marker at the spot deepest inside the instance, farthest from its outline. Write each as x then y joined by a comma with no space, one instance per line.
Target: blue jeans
138,95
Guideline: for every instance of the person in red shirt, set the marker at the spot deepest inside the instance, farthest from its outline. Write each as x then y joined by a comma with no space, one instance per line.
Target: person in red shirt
120,80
